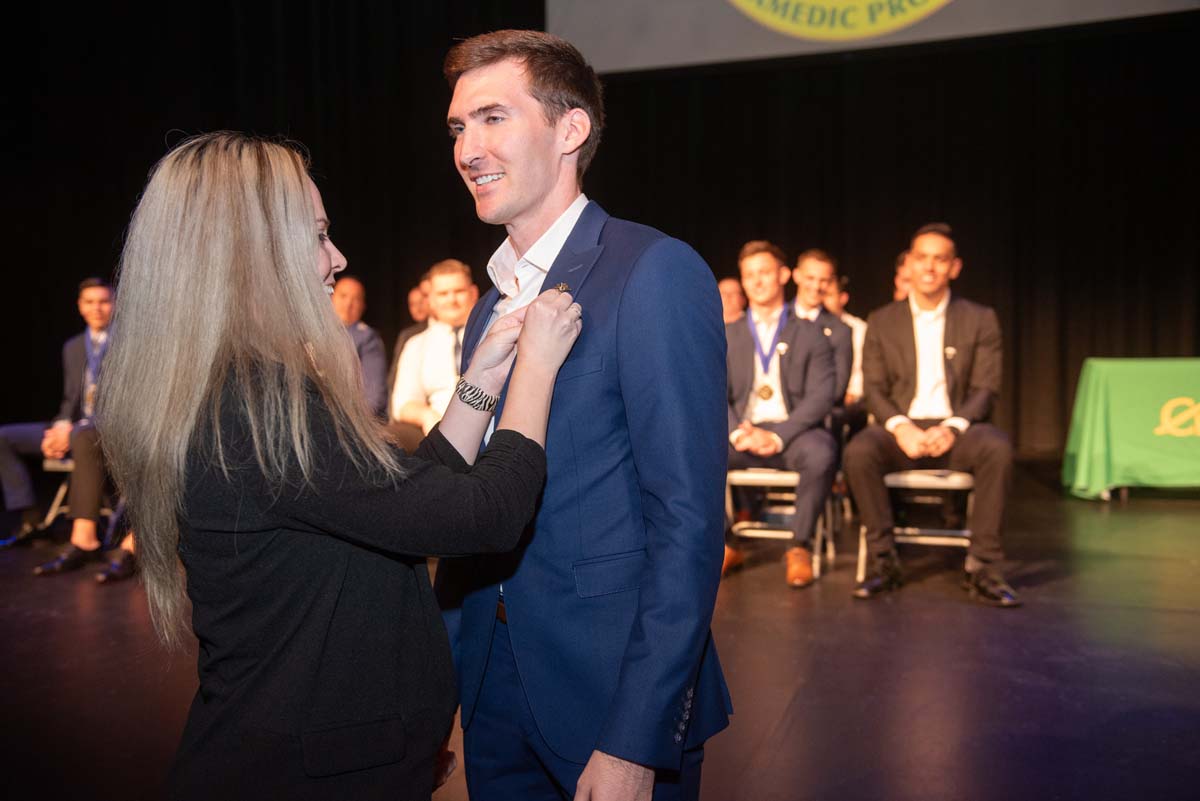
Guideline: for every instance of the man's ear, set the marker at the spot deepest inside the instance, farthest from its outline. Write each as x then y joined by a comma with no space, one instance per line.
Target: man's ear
955,268
785,275
574,128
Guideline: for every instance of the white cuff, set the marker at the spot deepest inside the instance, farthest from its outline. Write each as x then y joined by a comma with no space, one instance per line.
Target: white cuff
735,435
961,424
778,441
894,422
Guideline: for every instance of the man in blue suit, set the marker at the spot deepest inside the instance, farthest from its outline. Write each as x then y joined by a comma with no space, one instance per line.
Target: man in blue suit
586,666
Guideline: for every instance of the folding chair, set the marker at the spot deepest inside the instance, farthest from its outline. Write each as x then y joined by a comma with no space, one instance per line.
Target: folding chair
924,488
59,505
779,489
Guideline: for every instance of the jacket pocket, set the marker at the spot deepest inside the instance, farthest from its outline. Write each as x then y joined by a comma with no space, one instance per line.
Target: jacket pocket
585,365
604,575
353,746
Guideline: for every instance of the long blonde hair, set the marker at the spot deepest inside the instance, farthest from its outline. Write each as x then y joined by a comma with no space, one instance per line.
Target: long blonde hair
218,286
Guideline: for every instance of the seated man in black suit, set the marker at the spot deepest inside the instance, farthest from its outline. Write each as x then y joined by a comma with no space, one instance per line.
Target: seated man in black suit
780,388
931,372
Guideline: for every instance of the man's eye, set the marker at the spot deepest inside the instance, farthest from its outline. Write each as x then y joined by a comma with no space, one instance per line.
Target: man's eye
493,118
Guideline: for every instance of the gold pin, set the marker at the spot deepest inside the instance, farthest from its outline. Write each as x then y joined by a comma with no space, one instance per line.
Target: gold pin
563,287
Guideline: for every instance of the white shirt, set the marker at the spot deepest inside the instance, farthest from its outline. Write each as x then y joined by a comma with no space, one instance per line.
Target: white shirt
758,409
931,401
427,371
807,314
519,278
858,333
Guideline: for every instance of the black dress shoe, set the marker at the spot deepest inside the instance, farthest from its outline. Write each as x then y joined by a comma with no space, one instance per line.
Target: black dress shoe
71,558
122,566
986,586
21,535
883,576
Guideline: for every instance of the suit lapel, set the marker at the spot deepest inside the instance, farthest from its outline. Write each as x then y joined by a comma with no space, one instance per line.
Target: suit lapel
475,325
573,264
580,252
950,341
742,348
907,337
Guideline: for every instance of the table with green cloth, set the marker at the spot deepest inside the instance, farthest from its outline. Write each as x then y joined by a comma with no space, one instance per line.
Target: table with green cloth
1136,423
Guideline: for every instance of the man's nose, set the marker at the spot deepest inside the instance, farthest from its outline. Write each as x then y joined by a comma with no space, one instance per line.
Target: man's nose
470,147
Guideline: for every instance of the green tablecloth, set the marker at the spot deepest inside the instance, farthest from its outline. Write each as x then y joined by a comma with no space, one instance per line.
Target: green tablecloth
1136,423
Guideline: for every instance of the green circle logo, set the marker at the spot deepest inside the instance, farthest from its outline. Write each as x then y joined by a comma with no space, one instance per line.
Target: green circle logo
837,20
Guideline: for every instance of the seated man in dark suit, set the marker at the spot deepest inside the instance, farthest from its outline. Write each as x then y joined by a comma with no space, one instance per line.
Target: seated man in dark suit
71,432
815,275
349,303
931,372
781,385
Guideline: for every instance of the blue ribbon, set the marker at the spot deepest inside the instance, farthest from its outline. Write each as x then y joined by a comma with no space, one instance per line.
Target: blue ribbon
764,356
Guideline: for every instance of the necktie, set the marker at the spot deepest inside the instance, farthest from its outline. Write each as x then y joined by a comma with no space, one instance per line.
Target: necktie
458,348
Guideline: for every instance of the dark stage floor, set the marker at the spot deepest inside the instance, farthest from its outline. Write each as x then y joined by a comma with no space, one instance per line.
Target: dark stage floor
1091,691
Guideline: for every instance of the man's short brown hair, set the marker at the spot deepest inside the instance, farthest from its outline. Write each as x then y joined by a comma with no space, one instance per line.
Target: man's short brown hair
559,77
450,267
756,246
817,255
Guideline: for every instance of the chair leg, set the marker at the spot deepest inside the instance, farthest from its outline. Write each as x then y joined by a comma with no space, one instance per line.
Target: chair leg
819,537
861,573
57,506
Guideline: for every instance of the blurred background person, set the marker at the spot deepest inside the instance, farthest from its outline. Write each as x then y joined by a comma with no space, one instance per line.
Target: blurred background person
836,299
780,388
901,280
429,364
349,303
815,273
733,300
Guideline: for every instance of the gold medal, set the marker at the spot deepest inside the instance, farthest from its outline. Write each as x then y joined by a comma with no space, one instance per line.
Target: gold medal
765,392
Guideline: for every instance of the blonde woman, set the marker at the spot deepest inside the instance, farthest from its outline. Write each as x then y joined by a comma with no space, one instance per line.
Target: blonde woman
258,481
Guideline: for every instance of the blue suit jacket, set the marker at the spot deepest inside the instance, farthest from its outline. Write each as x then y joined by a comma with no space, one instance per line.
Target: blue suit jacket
610,595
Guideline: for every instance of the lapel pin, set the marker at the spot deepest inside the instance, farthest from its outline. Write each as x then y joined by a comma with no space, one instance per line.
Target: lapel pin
828,332
781,348
951,352
563,287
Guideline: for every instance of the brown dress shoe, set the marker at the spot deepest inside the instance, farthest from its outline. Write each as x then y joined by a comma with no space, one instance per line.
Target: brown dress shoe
733,560
799,568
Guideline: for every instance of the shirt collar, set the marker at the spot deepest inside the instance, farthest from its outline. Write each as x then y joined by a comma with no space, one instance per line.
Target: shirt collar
771,317
807,314
502,267
936,313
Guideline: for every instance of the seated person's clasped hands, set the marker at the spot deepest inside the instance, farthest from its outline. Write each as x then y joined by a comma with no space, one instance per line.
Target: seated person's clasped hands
930,443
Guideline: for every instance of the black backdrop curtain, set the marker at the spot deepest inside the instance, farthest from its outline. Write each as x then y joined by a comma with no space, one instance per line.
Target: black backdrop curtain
1066,161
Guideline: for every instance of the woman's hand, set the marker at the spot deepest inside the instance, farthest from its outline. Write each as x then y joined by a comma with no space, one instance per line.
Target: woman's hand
494,356
552,324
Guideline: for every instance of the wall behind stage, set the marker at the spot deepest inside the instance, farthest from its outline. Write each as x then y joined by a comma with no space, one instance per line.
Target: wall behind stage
1066,161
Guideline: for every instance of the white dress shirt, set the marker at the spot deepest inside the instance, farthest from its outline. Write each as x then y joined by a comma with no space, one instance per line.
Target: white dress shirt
759,409
427,371
519,278
931,400
807,314
858,333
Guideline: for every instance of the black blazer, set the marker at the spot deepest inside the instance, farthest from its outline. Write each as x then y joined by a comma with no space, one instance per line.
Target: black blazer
973,354
806,371
74,363
324,667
